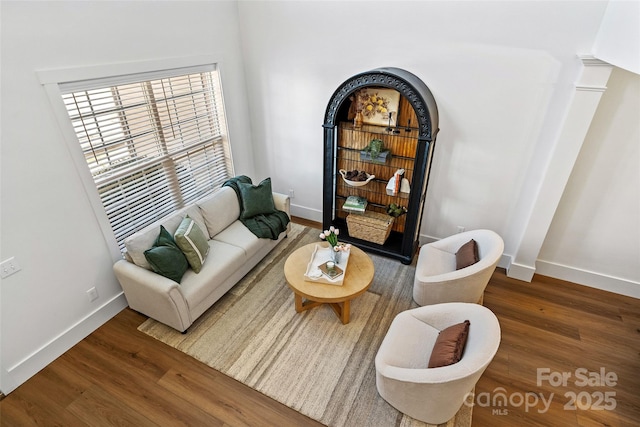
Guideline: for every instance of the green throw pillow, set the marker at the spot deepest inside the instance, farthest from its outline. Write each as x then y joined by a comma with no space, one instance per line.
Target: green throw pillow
256,199
193,243
166,258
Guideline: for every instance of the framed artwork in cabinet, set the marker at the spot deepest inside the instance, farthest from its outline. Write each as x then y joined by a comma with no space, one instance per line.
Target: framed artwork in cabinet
378,106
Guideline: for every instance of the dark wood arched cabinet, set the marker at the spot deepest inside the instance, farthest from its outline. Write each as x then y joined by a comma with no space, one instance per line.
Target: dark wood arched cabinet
379,122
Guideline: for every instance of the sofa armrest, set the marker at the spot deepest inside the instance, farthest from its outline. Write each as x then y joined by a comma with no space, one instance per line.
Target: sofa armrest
282,203
153,295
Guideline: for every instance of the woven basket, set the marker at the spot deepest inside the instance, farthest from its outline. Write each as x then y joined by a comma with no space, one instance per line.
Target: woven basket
370,226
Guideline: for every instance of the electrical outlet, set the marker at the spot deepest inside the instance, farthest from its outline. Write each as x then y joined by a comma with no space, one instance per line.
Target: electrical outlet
460,229
8,267
93,294
292,194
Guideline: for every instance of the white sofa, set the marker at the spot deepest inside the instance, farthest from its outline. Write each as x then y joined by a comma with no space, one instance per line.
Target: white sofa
233,251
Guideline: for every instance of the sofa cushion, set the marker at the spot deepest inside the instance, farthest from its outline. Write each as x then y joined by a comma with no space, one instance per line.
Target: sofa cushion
166,258
449,345
219,210
240,236
467,255
222,262
192,242
256,199
144,239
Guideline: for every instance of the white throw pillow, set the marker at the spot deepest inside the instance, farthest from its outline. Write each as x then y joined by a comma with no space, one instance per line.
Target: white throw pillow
192,242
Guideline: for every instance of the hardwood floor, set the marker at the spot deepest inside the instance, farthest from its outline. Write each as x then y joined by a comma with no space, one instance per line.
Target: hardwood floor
563,328
119,376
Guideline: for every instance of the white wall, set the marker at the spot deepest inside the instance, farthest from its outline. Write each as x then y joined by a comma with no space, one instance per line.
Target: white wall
595,234
502,74
47,222
618,41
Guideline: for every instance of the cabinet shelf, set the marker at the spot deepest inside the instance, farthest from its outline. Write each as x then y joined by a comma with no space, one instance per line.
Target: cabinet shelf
370,204
374,162
374,192
410,148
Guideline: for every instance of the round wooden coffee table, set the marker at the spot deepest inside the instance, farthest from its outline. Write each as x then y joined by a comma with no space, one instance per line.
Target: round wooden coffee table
357,280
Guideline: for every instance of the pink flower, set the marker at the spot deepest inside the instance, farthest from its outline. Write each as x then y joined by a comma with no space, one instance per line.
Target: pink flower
331,235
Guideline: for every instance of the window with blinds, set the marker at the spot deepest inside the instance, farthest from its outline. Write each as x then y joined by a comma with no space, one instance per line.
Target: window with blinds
152,143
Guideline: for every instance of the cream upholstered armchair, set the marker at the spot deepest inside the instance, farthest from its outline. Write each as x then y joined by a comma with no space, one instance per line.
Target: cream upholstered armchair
437,279
434,395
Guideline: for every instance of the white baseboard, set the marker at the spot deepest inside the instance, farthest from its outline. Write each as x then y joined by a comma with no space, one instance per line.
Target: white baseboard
32,364
306,213
505,261
589,278
520,271
424,239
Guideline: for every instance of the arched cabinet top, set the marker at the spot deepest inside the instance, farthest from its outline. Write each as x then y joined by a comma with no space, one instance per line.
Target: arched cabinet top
409,86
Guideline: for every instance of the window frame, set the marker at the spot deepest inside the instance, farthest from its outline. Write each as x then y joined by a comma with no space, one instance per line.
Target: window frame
104,75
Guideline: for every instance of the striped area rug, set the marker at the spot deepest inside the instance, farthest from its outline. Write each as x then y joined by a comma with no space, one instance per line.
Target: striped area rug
308,361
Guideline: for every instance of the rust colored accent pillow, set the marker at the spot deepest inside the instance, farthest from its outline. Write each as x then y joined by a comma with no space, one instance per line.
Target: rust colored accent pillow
467,255
449,345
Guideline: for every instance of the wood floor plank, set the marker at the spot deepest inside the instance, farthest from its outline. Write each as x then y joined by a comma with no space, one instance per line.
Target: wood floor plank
35,406
563,294
62,381
97,408
535,318
130,384
218,396
556,307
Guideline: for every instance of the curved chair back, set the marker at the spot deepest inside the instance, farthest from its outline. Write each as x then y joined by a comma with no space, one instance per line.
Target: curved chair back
437,280
434,395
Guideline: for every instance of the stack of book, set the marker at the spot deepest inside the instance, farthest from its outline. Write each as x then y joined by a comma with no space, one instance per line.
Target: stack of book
355,204
331,273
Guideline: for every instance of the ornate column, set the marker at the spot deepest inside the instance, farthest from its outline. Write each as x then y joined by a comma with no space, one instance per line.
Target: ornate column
588,91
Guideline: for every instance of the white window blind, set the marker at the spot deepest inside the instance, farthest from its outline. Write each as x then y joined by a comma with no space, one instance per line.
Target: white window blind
153,144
